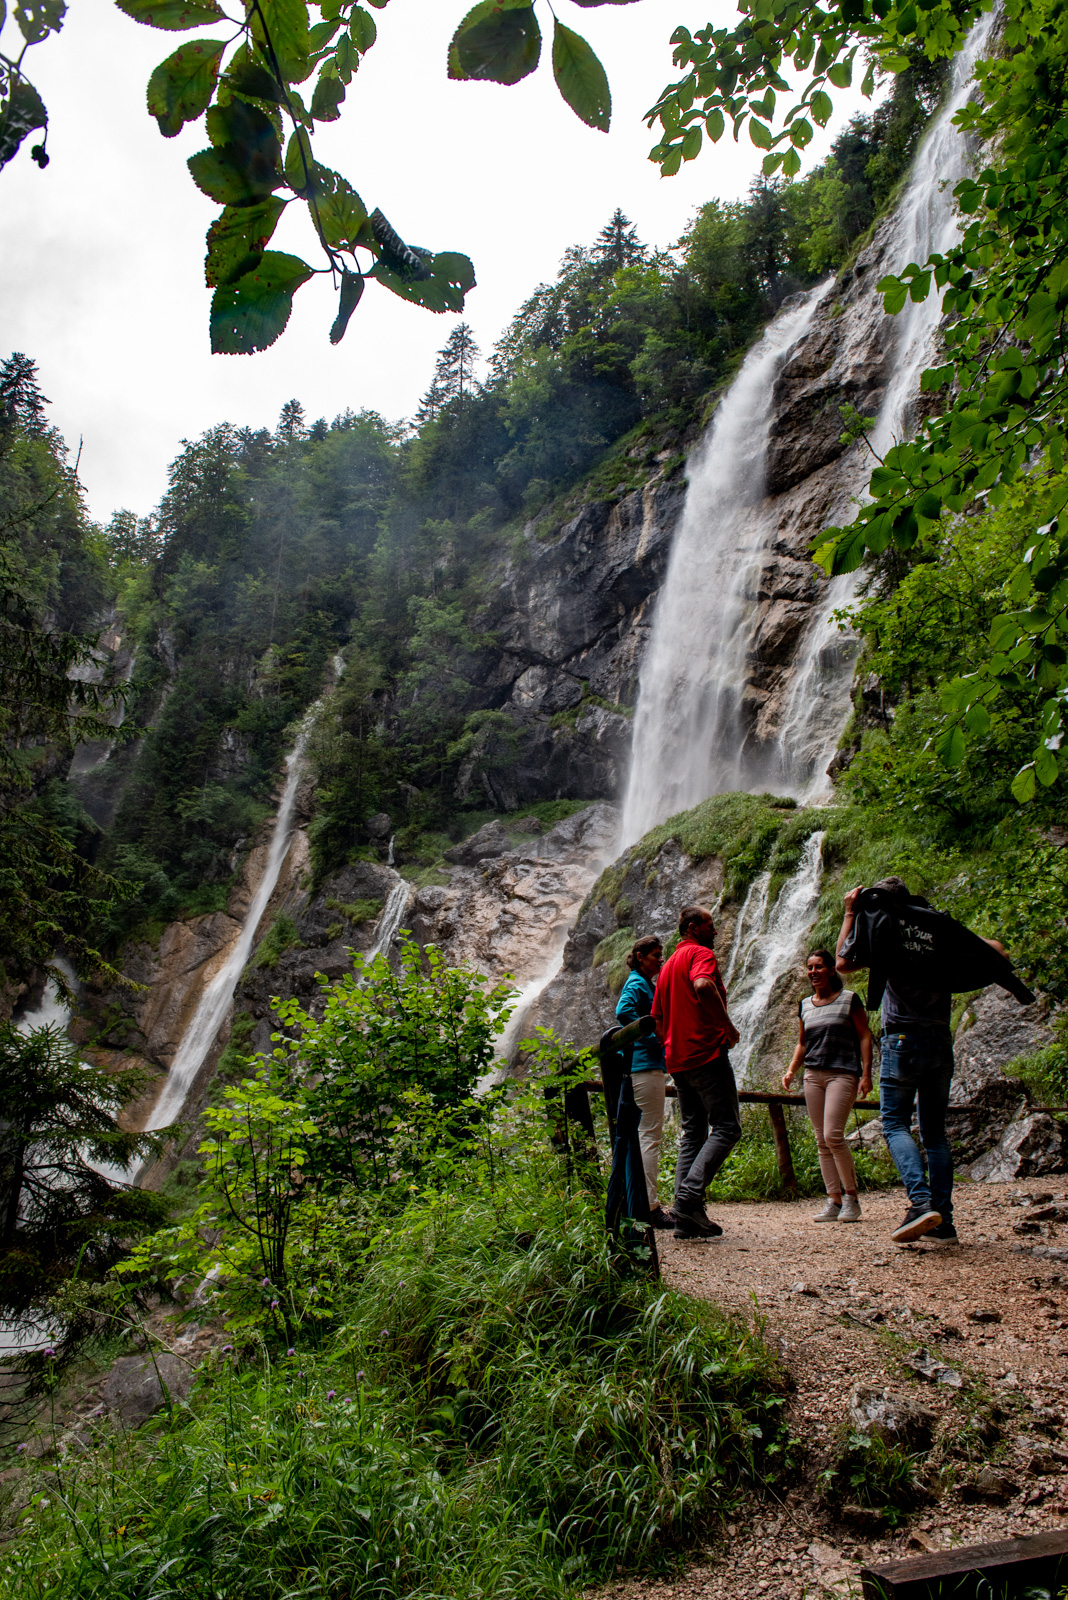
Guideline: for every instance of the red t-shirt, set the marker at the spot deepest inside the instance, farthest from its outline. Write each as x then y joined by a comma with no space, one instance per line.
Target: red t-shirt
687,1032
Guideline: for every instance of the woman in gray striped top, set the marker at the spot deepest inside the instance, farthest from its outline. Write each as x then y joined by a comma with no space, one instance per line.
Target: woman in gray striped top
834,1052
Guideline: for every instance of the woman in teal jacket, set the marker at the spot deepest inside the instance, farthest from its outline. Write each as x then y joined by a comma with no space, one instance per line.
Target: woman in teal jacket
647,1068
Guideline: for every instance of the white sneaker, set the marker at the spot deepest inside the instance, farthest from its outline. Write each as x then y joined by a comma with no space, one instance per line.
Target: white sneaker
831,1211
850,1211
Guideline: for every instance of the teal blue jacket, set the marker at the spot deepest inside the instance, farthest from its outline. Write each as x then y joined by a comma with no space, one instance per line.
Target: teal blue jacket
637,1001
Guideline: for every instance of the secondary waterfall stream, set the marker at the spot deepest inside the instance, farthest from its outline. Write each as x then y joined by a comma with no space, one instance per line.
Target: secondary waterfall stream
691,738
217,998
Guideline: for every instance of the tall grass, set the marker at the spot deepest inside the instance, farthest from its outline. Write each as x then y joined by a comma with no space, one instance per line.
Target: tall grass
492,1411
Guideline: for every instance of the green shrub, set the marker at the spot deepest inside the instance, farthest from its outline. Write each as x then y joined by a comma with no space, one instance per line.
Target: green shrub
356,911
281,936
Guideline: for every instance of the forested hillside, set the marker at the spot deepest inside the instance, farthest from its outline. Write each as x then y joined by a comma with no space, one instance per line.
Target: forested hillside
272,551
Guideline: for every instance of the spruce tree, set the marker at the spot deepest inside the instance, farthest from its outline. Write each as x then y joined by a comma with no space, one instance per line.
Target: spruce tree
617,245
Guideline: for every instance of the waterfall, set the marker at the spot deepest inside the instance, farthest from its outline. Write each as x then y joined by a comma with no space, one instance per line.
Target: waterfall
690,735
925,222
390,920
217,998
688,732
766,946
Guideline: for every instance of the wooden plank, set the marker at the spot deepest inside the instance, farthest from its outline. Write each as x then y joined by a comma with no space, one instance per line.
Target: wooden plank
1005,1567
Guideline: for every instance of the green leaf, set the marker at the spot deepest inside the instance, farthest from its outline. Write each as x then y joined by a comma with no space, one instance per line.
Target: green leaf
177,15
236,240
351,290
791,163
821,107
714,124
950,747
581,78
1046,767
181,87
250,314
691,142
326,99
38,18
451,277
23,113
498,41
1023,785
285,24
248,77
226,177
841,74
760,135
341,214
363,29
977,720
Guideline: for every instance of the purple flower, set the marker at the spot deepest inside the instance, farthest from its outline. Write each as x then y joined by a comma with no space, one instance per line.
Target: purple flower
227,1349
384,1334
330,1393
266,1283
274,1305
291,1351
20,1448
347,1400
359,1376
50,1351
300,1374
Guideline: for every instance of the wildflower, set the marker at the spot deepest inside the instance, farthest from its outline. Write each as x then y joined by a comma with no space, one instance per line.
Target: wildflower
359,1376
20,1448
274,1305
50,1351
384,1334
266,1283
291,1351
330,1393
227,1349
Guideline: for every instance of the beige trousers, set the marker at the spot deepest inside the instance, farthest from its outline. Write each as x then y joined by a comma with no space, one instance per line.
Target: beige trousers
649,1098
829,1097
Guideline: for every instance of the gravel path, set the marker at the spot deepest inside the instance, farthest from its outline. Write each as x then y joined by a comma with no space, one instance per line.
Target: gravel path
988,1319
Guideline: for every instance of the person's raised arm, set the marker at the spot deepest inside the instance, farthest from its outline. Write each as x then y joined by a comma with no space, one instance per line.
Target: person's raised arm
845,933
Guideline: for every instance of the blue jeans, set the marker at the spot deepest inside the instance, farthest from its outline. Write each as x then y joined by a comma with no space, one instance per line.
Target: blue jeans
917,1070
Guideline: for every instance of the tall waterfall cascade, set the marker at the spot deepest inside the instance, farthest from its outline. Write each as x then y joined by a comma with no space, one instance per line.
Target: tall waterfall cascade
214,1005
692,728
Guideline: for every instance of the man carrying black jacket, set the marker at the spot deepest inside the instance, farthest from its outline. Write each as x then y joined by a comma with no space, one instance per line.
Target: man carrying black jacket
916,1065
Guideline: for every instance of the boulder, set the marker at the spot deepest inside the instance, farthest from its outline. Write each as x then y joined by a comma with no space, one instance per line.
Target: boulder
1035,1144
488,842
132,1391
983,1102
893,1417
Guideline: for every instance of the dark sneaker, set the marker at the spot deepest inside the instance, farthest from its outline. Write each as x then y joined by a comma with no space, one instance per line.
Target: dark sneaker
945,1233
918,1221
693,1223
661,1218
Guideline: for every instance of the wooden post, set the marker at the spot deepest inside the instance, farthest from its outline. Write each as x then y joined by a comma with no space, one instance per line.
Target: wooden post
782,1146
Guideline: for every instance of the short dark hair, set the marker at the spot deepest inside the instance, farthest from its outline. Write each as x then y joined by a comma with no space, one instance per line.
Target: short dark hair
643,947
828,961
691,914
893,885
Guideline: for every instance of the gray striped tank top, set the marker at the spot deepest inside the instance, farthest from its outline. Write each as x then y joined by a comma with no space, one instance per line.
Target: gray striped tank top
831,1043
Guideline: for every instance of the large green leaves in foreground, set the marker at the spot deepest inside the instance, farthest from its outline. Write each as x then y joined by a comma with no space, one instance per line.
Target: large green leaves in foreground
261,157
1004,293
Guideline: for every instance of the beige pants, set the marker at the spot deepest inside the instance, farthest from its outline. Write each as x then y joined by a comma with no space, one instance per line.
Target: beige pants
649,1098
829,1097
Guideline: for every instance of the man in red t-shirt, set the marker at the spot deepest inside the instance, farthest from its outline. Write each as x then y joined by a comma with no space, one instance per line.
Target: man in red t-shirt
690,1012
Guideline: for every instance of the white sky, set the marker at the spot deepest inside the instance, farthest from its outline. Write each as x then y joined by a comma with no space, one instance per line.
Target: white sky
101,265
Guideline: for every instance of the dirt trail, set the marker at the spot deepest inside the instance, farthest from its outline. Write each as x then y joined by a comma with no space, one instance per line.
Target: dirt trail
847,1307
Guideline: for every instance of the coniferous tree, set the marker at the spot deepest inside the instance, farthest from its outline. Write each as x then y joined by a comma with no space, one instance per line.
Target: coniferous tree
617,244
291,422
21,401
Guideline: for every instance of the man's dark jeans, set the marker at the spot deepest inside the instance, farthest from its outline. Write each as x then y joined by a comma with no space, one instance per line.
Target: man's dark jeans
711,1126
916,1070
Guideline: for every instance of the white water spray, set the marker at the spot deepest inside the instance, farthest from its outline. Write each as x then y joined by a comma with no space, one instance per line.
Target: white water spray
217,998
688,726
925,223
390,919
765,946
